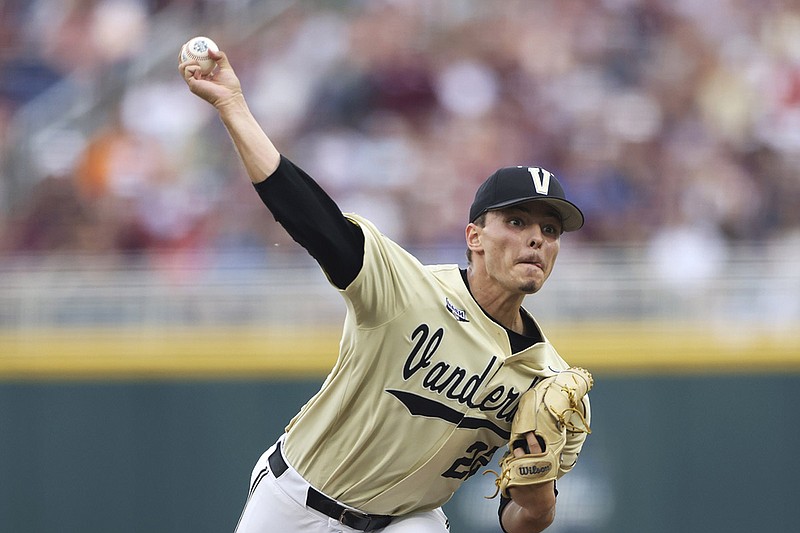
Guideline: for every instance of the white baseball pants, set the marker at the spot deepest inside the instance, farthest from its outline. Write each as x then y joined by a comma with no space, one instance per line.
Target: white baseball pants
278,504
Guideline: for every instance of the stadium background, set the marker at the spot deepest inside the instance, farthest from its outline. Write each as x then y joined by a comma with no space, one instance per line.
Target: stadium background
157,329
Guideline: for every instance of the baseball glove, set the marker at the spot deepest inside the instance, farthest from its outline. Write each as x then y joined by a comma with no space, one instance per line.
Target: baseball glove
555,412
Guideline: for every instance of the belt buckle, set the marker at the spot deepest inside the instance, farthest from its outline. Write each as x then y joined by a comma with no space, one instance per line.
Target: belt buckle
348,515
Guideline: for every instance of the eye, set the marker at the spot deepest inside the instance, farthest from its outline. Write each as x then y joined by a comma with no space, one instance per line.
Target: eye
515,221
551,229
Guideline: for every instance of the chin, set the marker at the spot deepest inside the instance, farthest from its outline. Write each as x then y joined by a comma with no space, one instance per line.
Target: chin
530,287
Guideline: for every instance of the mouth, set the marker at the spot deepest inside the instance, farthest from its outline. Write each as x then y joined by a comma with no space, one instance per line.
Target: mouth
533,262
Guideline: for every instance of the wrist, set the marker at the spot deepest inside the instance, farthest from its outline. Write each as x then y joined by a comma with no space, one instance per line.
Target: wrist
232,105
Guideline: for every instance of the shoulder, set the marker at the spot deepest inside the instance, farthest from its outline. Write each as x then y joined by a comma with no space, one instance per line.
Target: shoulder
381,251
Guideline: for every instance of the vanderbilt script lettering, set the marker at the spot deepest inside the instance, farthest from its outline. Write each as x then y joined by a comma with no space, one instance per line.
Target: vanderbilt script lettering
454,382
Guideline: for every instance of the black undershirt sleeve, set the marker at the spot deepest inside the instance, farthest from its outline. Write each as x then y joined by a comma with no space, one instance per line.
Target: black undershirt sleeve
311,217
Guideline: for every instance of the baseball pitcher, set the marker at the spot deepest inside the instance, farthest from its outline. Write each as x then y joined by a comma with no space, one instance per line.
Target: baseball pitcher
439,367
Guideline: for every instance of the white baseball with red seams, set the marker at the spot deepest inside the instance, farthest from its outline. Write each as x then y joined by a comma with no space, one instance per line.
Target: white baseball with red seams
196,49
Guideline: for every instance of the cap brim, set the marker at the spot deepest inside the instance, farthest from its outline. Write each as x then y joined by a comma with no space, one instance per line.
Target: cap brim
571,217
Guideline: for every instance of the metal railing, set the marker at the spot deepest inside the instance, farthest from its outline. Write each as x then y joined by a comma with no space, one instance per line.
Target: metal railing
757,285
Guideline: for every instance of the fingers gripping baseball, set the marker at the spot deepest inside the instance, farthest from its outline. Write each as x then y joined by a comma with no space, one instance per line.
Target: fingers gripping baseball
217,85
554,413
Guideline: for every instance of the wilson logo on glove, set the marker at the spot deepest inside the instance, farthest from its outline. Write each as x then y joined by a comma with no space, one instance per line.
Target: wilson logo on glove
535,470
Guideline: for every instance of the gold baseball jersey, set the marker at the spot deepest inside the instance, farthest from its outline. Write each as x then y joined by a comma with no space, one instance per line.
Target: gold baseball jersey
422,394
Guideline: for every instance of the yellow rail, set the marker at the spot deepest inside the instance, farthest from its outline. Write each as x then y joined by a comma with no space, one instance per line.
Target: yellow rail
100,353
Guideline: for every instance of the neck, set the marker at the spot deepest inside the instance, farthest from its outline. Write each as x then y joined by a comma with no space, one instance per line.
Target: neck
501,305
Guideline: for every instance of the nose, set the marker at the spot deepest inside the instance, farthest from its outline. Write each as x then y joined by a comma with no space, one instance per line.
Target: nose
536,237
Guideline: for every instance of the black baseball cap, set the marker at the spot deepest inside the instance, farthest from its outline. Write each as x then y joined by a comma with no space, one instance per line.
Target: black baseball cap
516,185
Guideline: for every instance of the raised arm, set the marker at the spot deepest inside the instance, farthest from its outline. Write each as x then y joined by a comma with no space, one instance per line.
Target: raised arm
223,90
296,201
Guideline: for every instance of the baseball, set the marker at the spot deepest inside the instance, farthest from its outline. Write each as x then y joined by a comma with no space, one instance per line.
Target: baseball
196,49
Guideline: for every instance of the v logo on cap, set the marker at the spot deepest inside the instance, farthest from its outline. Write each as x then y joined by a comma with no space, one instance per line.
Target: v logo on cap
541,179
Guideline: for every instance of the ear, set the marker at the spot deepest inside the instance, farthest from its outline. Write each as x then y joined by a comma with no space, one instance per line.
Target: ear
473,237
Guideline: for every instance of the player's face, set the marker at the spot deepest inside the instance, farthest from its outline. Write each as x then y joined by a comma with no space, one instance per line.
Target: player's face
520,245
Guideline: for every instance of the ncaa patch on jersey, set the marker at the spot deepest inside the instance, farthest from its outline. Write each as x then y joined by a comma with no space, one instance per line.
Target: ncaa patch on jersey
460,314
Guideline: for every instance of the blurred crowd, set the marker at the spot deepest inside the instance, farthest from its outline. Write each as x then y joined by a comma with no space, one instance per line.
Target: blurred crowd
667,120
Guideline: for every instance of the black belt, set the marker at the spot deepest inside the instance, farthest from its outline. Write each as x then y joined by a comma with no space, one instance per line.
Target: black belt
318,501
